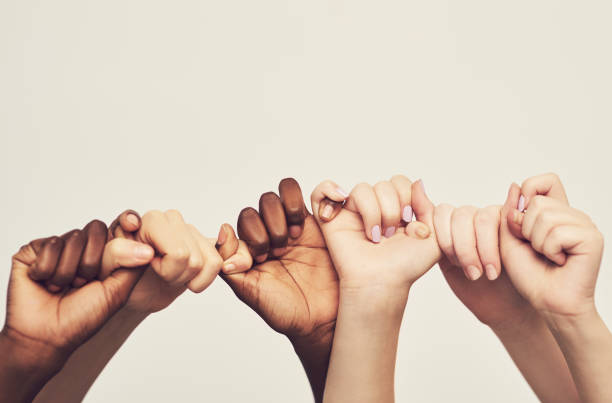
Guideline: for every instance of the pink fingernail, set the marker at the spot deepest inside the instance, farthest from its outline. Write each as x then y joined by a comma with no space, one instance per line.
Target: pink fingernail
407,214
327,211
376,233
229,267
521,204
422,185
389,232
342,192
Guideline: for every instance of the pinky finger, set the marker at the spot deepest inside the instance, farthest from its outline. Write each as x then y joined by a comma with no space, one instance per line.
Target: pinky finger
327,192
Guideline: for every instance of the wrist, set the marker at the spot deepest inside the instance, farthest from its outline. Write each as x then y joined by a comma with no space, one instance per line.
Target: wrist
26,366
562,322
374,302
519,325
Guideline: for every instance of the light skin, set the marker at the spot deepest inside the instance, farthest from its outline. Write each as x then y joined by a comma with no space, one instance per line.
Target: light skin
293,285
469,238
552,253
183,259
50,312
379,251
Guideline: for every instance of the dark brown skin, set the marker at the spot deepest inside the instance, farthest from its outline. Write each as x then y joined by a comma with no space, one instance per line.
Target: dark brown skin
47,317
293,286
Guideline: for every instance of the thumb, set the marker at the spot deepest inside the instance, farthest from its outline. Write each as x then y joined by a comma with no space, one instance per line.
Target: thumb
123,263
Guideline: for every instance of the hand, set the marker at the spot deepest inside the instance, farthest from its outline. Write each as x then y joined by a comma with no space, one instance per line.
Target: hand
551,251
47,314
184,259
469,240
293,285
361,255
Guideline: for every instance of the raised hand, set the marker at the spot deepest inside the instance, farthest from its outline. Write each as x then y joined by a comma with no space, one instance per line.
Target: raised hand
375,274
184,259
50,311
293,285
374,240
551,251
468,237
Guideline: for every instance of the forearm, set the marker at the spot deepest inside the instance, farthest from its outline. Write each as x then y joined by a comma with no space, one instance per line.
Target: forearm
586,343
537,355
24,368
72,383
362,364
314,355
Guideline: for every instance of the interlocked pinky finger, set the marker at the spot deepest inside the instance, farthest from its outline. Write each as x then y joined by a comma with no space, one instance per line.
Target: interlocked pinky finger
326,200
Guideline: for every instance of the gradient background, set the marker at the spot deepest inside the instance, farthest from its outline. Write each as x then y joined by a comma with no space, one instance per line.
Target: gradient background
204,105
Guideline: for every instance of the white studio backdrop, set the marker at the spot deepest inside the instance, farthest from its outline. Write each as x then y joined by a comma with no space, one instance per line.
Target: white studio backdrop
202,106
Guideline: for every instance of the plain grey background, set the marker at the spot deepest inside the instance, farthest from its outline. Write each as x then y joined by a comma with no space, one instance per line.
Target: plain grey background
204,105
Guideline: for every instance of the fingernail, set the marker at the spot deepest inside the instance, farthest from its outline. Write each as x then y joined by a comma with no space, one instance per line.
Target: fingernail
422,185
222,237
422,232
407,214
327,211
376,233
229,267
491,272
389,232
53,288
132,219
517,217
143,252
261,258
295,231
473,273
521,204
342,192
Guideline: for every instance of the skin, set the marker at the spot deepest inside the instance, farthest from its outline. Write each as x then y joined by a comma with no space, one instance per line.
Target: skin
375,275
47,316
469,236
183,259
552,253
293,285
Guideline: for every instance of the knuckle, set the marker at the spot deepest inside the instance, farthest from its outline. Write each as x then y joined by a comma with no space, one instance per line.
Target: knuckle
538,201
174,214
196,262
180,253
360,187
401,178
152,215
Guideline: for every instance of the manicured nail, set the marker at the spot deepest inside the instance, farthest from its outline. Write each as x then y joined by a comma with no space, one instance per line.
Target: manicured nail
342,192
407,214
491,272
422,185
389,232
261,258
376,233
79,282
473,273
278,251
229,267
295,231
143,252
327,211
222,237
521,204
132,219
